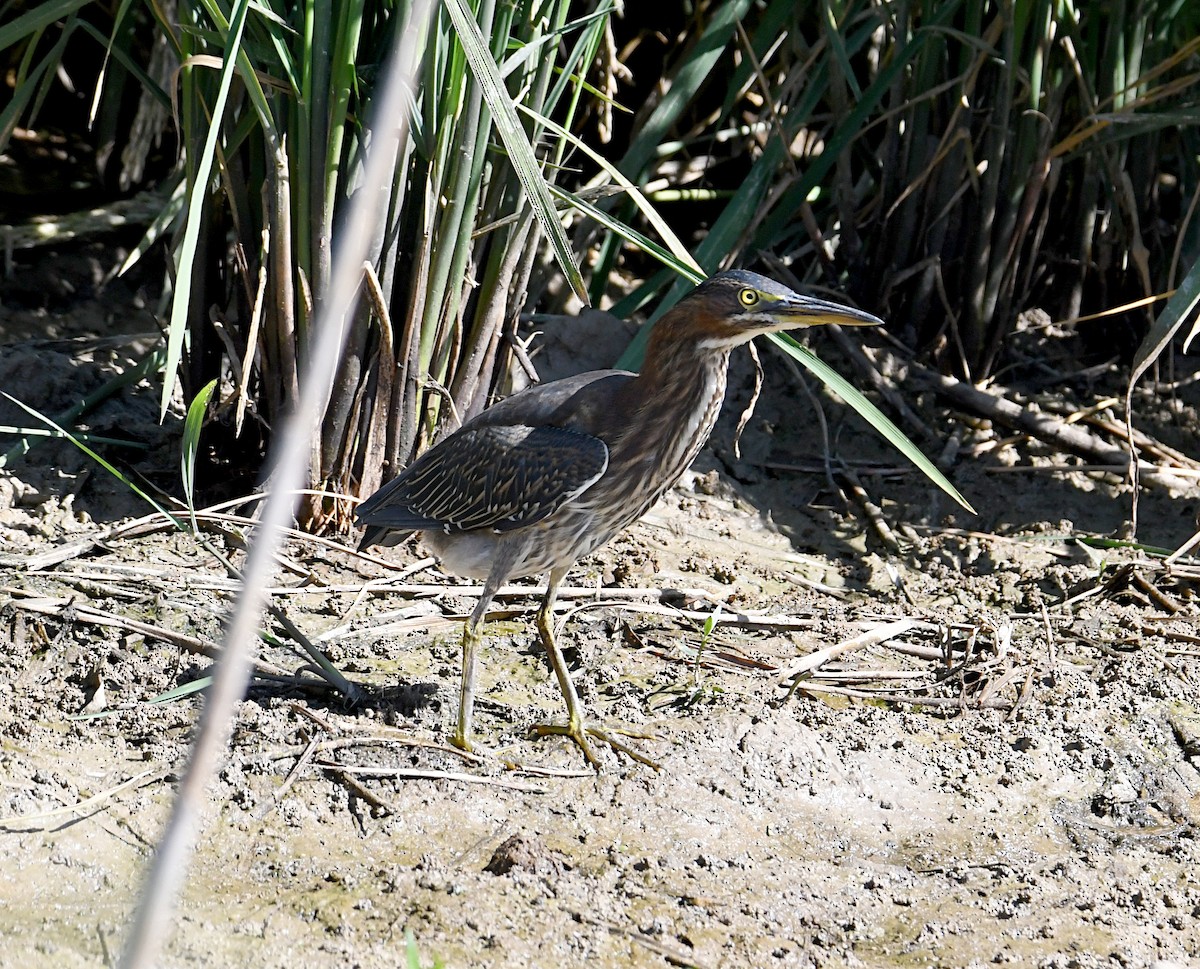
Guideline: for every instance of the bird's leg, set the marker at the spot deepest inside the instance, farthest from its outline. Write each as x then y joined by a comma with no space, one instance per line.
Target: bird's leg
502,564
576,727
545,623
472,637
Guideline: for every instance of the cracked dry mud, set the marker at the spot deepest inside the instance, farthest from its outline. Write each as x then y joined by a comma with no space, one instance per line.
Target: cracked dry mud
1029,797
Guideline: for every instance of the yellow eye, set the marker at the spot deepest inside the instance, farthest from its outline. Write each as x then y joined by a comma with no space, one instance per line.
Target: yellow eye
748,297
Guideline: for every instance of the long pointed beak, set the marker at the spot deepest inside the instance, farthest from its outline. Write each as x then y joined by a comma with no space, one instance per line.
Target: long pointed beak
810,311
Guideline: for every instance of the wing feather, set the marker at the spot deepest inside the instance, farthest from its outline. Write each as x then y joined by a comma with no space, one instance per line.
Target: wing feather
497,477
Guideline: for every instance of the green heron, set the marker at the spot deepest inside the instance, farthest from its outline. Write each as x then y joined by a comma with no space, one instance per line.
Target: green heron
548,475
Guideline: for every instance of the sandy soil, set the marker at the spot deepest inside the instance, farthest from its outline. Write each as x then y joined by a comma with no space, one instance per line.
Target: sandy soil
1011,780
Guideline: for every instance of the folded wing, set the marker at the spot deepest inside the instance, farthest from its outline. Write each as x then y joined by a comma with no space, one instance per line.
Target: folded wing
496,477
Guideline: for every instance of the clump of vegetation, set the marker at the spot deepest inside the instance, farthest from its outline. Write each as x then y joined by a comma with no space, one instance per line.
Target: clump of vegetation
949,167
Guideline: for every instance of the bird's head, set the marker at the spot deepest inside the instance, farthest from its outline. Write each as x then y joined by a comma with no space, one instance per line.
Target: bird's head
733,307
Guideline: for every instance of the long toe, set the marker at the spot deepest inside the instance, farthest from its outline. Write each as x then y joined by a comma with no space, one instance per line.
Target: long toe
580,732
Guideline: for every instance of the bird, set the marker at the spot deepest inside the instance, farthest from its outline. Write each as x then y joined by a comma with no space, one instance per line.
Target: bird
542,478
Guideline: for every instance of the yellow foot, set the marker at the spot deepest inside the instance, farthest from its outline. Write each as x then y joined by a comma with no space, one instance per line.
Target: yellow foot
477,754
580,732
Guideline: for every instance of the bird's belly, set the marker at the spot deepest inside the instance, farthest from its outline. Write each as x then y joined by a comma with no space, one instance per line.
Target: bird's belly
574,530
463,553
556,542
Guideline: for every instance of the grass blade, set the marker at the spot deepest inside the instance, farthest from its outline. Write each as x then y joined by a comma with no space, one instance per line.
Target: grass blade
1179,307
192,425
681,263
149,364
869,412
683,258
124,479
181,299
516,142
38,17
90,438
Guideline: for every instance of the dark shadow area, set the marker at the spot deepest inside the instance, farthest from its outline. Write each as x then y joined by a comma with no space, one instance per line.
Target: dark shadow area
781,470
68,328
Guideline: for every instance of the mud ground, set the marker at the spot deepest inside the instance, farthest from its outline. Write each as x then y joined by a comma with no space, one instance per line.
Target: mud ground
1012,780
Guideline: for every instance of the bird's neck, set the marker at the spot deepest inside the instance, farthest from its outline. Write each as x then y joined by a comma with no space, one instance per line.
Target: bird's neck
681,388
683,360
676,372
